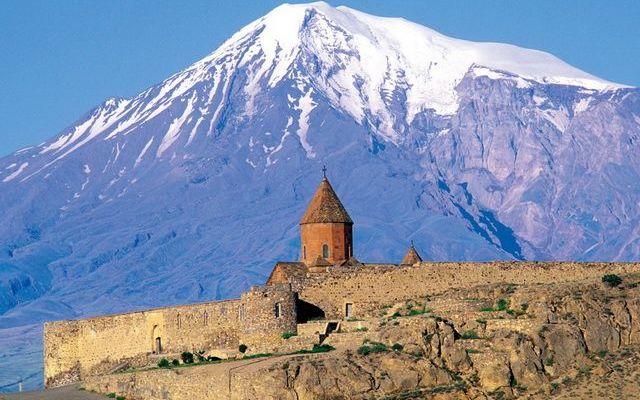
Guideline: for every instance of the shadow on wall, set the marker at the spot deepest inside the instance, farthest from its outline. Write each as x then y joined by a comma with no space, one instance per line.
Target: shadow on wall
307,311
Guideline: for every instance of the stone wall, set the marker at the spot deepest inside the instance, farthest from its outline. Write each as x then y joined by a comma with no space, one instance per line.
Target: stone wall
267,312
371,286
74,350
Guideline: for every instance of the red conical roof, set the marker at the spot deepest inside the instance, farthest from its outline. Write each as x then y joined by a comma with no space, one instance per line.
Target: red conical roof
412,257
325,207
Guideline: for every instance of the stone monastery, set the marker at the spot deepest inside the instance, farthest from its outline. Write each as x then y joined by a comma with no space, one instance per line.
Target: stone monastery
295,293
302,304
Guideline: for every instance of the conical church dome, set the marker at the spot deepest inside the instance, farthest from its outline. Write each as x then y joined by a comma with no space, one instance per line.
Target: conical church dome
325,207
412,257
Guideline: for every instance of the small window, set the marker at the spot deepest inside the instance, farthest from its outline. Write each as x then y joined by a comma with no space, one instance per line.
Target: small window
304,252
325,251
278,310
348,310
205,318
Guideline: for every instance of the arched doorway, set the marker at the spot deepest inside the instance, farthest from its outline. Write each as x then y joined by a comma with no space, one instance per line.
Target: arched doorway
156,340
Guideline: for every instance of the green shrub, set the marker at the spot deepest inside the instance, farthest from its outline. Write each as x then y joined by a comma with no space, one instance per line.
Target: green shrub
164,363
111,395
549,361
322,348
288,335
397,347
317,348
120,398
373,347
487,309
502,305
415,311
212,358
471,334
473,351
187,357
242,348
364,350
396,314
175,362
362,329
259,355
611,280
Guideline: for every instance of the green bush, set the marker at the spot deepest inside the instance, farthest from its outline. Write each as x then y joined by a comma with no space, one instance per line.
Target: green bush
322,348
471,334
258,355
212,358
120,398
396,314
317,348
242,348
288,335
502,305
373,347
397,347
111,395
364,350
362,329
175,362
187,357
164,363
611,280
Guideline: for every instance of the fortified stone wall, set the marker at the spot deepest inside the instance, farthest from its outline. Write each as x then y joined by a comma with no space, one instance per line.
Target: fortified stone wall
267,312
76,349
73,349
371,286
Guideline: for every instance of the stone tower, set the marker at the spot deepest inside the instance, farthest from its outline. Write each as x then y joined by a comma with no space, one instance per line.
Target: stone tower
326,229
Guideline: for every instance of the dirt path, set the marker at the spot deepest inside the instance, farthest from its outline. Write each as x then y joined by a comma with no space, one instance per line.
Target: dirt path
63,393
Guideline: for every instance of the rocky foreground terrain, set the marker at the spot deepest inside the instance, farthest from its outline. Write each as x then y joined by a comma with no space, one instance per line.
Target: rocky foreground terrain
565,340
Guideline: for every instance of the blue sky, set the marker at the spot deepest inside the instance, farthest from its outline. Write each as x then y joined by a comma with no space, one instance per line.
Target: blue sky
60,58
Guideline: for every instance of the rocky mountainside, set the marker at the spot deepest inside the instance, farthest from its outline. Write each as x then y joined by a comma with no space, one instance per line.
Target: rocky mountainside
193,188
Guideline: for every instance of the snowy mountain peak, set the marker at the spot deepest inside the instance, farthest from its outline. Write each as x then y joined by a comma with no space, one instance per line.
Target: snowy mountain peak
366,66
356,59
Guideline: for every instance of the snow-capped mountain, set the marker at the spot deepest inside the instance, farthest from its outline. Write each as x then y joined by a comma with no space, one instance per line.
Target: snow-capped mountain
192,189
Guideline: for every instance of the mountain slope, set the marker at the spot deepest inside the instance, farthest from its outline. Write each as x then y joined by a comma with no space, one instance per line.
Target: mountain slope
192,189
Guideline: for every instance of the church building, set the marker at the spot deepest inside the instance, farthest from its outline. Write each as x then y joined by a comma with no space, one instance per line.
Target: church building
326,239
